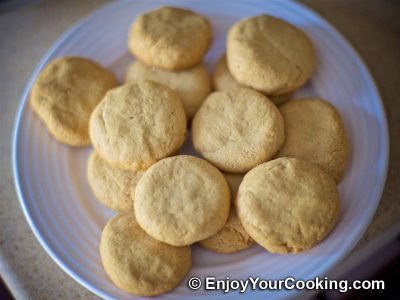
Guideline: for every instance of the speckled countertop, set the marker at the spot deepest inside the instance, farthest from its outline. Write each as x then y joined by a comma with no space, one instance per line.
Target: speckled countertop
28,30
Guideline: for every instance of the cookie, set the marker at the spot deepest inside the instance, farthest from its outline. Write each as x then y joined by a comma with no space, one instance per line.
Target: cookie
192,85
315,132
139,264
65,93
113,187
288,205
170,38
269,55
232,237
223,81
237,129
181,200
137,124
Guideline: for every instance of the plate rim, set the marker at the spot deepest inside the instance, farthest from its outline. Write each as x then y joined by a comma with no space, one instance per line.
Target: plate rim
24,99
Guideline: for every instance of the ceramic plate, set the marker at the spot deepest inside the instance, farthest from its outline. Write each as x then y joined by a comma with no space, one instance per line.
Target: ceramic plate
67,220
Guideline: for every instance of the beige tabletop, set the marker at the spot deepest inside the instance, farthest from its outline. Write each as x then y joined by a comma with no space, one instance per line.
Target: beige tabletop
28,30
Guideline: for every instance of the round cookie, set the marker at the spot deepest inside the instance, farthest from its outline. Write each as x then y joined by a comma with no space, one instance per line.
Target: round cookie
137,124
113,187
232,237
139,264
288,205
269,55
170,38
237,129
181,200
223,81
315,132
65,93
192,85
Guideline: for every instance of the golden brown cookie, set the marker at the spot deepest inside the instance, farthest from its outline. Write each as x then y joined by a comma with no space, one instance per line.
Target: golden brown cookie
137,124
223,81
113,187
170,38
237,129
222,77
288,205
232,237
65,93
269,55
181,200
192,85
315,132
139,264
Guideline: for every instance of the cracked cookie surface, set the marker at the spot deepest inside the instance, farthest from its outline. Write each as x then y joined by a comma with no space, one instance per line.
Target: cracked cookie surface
113,187
192,85
269,55
137,124
288,205
65,93
181,200
170,38
232,237
315,132
139,264
237,129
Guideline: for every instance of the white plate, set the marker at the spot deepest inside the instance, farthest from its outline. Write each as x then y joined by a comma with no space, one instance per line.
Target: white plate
67,220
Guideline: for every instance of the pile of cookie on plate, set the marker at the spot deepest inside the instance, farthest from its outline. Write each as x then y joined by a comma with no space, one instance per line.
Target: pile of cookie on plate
267,175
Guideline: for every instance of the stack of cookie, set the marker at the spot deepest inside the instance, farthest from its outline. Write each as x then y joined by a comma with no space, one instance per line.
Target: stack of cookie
170,44
267,175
